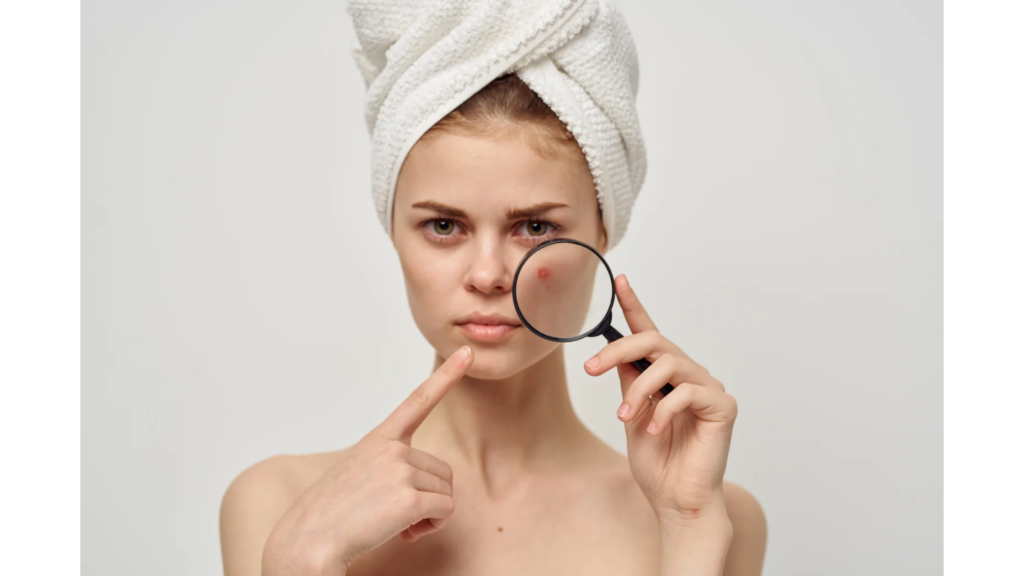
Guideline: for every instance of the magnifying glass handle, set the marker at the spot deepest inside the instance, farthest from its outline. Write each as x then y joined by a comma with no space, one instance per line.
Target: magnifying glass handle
611,334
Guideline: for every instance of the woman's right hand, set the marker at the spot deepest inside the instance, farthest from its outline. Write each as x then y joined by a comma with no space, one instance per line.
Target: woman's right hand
379,488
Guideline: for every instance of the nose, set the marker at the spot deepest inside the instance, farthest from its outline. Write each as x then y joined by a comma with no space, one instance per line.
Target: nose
491,267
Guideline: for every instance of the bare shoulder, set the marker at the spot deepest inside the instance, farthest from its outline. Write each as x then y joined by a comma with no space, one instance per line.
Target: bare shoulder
749,532
270,484
257,498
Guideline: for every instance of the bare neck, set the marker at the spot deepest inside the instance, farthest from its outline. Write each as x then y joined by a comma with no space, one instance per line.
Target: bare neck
505,430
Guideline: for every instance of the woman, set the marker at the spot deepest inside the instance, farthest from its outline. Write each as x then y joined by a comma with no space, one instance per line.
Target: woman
485,468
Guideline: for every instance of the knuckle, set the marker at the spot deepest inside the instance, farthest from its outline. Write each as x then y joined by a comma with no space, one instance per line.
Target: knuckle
649,335
732,404
408,499
406,474
685,364
670,362
449,505
683,389
446,371
396,449
420,396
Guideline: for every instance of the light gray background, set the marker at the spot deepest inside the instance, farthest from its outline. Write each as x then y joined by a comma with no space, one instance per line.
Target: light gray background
240,299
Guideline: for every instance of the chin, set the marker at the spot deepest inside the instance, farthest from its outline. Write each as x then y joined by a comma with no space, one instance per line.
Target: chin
496,360
505,361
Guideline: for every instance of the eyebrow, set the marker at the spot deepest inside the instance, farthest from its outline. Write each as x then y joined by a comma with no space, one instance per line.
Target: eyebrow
531,211
510,213
440,209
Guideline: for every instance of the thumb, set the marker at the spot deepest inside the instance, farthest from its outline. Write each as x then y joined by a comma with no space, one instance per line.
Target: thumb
634,312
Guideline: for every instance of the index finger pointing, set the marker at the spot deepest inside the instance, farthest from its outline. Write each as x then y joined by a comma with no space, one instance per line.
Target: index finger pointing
634,312
407,417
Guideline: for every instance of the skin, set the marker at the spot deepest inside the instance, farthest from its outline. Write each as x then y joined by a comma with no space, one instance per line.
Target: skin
485,467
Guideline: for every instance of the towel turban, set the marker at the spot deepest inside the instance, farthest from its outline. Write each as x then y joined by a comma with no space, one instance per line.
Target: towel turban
421,59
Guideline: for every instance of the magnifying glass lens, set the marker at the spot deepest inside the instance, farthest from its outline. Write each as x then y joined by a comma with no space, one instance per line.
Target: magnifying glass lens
563,290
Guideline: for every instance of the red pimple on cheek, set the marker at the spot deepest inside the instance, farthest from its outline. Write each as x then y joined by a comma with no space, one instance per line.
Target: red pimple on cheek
543,273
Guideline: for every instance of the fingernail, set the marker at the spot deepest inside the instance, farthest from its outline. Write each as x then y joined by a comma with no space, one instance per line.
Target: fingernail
623,410
463,354
653,427
593,362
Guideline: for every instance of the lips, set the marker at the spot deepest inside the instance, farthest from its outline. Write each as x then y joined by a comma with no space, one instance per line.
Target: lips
487,327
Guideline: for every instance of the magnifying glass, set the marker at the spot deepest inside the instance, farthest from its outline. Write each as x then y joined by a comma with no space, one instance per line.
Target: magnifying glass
562,293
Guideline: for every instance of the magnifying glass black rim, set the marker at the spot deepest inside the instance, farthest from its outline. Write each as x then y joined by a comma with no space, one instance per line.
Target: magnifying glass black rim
515,300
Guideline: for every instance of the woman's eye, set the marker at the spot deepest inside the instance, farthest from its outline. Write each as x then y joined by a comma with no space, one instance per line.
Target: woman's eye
537,228
443,227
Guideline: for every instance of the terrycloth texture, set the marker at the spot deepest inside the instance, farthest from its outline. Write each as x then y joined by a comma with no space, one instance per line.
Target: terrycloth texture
422,58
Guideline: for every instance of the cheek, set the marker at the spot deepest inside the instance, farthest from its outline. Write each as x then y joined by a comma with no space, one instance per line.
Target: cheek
428,287
543,273
424,289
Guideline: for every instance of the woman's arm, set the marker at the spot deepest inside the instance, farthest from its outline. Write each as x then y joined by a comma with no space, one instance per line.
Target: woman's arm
728,542
695,546
376,489
678,444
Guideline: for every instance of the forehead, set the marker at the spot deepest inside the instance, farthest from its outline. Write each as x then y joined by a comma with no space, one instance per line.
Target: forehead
490,174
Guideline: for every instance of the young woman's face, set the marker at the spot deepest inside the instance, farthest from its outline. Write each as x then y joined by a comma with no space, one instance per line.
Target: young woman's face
466,211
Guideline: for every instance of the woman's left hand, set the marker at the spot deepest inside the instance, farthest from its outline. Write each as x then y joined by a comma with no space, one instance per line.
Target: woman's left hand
677,444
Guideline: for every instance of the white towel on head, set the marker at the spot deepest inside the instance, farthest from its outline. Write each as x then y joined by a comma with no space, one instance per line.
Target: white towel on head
422,58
